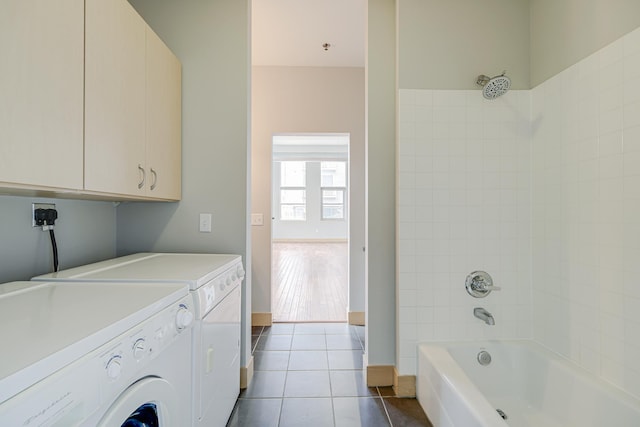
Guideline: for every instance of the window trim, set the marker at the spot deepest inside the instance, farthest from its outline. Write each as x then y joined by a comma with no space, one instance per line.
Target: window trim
343,204
304,204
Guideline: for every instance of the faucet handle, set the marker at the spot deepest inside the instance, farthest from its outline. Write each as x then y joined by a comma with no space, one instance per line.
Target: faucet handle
483,286
479,284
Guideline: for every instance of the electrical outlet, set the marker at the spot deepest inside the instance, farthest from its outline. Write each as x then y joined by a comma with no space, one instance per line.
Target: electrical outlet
35,206
205,222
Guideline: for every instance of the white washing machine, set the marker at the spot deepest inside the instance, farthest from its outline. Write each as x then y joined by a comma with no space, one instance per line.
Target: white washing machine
214,282
78,354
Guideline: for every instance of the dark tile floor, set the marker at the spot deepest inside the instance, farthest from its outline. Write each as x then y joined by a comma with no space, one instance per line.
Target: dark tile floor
310,374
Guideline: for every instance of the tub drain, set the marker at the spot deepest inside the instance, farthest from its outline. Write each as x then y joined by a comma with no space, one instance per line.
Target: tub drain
484,358
502,414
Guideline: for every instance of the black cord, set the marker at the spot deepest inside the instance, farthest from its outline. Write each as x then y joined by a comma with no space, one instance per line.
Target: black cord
54,248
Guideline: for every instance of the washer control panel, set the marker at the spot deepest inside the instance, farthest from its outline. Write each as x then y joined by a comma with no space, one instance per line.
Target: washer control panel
133,351
81,388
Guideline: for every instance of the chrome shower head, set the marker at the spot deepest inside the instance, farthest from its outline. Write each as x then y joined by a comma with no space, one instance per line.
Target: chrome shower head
494,87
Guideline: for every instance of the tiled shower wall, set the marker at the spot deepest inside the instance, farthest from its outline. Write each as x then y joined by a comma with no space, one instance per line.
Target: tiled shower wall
464,204
586,213
539,188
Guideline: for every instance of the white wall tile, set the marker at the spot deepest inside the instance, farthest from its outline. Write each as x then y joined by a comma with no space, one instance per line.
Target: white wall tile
552,212
586,213
470,185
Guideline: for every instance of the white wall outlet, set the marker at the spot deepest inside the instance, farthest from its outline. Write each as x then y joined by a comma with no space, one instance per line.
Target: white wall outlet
205,222
257,219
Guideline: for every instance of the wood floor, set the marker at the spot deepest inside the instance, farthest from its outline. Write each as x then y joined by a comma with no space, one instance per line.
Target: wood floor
309,282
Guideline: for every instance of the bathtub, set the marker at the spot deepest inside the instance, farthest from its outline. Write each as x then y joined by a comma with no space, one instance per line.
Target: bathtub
529,384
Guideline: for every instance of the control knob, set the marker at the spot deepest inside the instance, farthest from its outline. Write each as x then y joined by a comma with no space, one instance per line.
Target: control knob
183,317
139,348
114,367
240,272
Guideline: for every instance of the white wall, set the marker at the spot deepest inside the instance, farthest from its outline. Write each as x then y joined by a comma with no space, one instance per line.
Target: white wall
306,100
85,233
463,205
586,212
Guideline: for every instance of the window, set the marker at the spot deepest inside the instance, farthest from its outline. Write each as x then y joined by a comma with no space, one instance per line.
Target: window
334,181
293,191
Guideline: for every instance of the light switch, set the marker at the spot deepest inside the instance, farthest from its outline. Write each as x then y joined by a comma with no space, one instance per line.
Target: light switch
257,219
205,222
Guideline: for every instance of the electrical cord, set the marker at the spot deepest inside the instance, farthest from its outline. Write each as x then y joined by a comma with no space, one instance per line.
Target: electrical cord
54,248
46,218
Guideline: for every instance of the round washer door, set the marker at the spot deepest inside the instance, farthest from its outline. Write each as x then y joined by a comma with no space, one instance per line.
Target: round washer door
149,390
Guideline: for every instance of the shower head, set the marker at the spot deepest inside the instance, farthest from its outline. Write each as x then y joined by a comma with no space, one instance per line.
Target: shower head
493,87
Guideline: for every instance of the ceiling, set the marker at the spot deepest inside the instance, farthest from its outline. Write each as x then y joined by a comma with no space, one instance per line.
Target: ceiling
292,32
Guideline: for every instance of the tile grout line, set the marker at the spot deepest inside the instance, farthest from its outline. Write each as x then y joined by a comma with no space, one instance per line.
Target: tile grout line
384,405
326,352
284,387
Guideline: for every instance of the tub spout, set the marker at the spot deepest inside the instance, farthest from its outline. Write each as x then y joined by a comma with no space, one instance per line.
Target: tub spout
484,315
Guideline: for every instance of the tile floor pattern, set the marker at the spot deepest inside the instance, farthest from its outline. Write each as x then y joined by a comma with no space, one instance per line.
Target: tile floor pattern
310,374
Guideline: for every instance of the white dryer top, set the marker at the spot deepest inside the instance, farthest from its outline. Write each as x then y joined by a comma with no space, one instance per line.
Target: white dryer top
192,269
46,326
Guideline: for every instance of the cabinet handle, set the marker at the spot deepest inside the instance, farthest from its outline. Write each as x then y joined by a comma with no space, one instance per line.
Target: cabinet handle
144,175
155,179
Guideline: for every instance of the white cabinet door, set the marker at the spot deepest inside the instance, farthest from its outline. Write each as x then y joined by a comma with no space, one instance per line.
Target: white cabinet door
163,120
114,155
41,93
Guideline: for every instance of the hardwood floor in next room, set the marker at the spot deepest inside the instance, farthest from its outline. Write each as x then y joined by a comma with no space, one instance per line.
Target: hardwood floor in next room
311,375
309,282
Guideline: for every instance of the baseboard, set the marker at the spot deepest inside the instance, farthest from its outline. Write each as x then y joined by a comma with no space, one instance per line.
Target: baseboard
310,241
261,319
404,385
246,374
356,318
380,375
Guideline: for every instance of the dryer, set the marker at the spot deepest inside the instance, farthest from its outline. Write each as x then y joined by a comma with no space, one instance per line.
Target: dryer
78,354
214,282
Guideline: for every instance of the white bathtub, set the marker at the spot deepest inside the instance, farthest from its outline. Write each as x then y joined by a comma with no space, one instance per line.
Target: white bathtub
531,385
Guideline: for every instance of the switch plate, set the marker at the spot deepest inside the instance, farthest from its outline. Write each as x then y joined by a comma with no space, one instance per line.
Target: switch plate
205,222
257,219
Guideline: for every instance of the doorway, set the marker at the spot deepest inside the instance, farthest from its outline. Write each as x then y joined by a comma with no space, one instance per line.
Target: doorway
299,85
310,227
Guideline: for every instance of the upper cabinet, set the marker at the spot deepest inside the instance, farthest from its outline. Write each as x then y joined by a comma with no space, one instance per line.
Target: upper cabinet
90,102
163,120
114,132
132,106
41,93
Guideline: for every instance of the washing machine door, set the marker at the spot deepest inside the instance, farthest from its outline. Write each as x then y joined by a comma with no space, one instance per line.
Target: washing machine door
150,402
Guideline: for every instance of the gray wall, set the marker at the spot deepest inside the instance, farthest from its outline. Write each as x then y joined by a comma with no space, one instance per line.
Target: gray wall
564,32
381,178
85,232
306,99
447,44
211,39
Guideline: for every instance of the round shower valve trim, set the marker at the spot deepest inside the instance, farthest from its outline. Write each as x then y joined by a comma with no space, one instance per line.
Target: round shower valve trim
479,284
